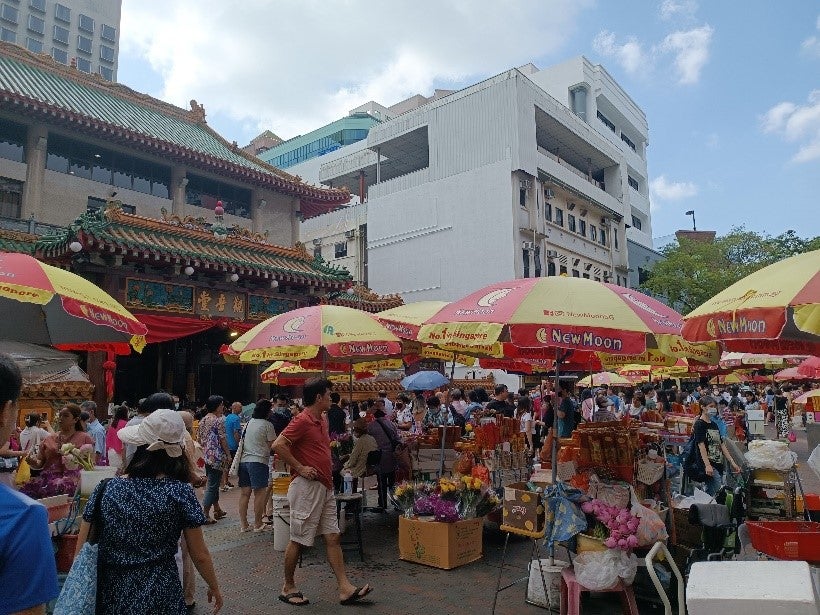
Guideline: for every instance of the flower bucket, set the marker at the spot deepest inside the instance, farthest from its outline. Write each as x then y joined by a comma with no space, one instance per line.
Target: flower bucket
66,545
89,479
552,580
589,543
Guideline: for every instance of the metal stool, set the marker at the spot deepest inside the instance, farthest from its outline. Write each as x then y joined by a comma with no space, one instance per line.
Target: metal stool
353,504
537,539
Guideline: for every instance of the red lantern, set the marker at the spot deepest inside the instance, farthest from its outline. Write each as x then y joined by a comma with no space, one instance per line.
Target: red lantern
109,367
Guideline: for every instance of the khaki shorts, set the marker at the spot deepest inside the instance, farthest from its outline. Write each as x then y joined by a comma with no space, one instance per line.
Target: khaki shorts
312,511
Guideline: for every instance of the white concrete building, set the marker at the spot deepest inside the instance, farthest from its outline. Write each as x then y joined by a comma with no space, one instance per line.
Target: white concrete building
499,180
84,33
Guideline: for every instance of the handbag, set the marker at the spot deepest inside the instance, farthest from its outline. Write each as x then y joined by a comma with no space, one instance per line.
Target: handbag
79,593
234,470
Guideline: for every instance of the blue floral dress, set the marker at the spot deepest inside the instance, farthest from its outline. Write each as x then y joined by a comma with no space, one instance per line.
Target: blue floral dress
143,520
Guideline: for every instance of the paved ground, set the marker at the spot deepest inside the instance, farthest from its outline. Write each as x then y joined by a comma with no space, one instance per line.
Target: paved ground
250,572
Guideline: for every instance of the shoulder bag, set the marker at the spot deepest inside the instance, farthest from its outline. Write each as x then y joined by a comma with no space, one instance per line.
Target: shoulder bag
234,471
79,593
693,465
394,442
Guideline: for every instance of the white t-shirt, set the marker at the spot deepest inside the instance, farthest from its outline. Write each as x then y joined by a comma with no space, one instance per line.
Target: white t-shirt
258,437
525,418
31,437
388,408
460,405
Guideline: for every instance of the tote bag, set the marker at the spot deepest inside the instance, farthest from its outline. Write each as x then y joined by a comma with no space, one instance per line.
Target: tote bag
234,471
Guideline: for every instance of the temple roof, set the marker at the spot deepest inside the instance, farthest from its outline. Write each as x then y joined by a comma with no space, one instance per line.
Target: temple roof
15,241
37,86
191,242
362,298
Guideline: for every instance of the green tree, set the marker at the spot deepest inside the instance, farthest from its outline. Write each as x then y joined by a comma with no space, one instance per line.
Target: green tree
694,271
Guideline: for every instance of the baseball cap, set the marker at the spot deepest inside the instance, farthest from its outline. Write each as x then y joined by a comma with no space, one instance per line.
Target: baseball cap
163,429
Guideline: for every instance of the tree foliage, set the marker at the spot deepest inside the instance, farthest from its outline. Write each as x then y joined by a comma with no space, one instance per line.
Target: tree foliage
694,271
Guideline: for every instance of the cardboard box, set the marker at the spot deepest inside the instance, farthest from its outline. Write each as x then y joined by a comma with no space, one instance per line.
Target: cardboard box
523,510
441,545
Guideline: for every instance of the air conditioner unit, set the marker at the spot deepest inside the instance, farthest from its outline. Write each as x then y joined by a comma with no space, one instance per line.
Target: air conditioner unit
552,254
527,245
350,234
548,193
317,241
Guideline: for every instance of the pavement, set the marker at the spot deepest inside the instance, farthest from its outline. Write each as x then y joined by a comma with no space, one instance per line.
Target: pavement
250,571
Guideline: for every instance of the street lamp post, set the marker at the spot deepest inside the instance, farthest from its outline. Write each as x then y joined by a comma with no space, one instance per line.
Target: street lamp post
691,212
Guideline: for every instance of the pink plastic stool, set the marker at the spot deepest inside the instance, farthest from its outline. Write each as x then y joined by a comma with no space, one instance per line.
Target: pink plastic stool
571,594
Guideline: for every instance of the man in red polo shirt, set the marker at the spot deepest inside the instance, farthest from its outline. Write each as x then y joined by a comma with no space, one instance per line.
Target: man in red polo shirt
305,446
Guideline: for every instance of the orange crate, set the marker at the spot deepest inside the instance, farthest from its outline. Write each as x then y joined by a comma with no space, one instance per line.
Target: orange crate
790,540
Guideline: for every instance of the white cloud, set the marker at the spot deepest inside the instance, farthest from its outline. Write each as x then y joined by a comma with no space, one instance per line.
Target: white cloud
293,65
691,49
672,9
811,46
798,124
630,55
665,190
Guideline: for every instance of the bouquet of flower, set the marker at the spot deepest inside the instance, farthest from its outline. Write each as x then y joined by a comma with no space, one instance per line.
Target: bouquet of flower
617,527
77,458
448,489
404,497
50,483
340,446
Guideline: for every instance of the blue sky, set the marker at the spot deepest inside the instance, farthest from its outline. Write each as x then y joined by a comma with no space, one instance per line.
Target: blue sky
731,89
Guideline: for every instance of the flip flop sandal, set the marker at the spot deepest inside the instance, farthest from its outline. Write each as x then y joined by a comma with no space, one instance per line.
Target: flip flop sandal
210,521
220,515
357,595
288,599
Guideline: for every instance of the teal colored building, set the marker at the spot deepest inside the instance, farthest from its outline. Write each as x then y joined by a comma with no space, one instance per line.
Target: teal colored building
321,141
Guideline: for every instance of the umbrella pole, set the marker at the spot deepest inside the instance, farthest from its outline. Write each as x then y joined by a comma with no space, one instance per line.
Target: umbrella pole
324,363
554,452
350,381
453,367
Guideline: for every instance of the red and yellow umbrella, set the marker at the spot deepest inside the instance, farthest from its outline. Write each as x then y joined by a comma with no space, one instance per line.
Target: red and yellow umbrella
284,373
562,312
325,332
604,379
774,310
810,368
45,305
790,373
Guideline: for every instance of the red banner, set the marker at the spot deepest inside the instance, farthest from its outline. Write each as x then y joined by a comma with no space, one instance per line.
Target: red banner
165,328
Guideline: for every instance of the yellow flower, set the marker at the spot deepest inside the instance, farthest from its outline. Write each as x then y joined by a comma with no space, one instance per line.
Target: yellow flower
468,427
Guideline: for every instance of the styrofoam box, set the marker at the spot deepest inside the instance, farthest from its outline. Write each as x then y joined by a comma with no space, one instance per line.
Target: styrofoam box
751,588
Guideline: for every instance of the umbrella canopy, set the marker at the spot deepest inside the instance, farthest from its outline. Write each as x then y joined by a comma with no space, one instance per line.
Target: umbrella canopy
563,312
45,305
424,381
775,309
324,331
766,361
639,372
285,373
810,368
733,378
405,320
790,373
805,397
604,379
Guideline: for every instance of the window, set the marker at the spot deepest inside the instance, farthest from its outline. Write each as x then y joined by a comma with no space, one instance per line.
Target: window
578,102
60,55
86,160
548,212
627,140
12,141
109,33
643,275
576,273
602,237
84,65
35,24
9,14
106,53
107,73
563,270
582,228
63,13
606,121
33,45
84,43
86,24
522,197
206,192
38,5
597,279
615,237
9,36
586,275
340,249
559,216
636,222
536,258
593,233
61,35
317,252
571,222
633,183
11,198
550,268
95,204
526,260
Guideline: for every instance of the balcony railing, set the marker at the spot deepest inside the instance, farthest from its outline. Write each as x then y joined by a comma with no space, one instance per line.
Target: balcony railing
30,226
575,170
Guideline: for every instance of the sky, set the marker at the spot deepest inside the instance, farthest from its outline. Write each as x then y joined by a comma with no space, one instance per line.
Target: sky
731,89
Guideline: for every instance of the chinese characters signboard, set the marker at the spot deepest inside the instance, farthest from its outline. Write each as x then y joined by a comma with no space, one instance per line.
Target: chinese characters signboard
220,304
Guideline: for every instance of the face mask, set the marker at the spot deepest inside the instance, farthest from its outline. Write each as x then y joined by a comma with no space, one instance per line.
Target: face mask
711,411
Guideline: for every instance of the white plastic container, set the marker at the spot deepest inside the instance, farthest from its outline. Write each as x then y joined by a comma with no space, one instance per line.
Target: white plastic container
89,479
281,522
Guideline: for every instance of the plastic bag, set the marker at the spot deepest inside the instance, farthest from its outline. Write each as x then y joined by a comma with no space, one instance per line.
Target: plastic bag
651,529
600,570
814,460
614,493
771,455
464,464
23,472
